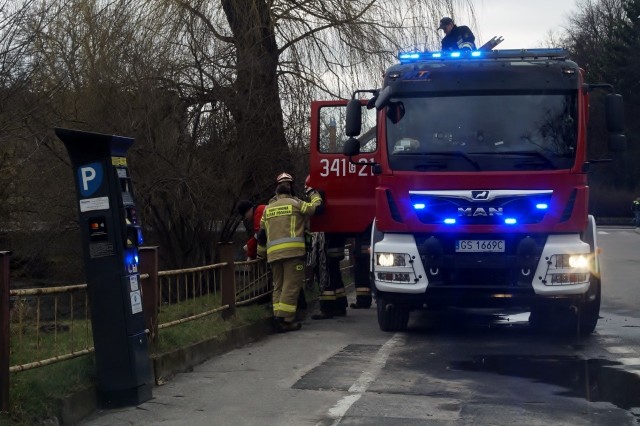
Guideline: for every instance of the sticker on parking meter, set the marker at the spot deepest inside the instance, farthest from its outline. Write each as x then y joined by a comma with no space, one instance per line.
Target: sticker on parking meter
91,204
133,282
136,302
100,249
122,173
89,178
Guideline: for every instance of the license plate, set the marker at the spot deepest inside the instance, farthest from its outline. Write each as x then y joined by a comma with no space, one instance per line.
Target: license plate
479,246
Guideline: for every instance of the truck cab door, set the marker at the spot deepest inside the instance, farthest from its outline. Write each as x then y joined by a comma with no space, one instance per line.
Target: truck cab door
348,188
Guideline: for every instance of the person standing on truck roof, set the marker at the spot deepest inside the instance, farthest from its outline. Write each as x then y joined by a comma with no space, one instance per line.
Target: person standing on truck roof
251,214
456,37
282,238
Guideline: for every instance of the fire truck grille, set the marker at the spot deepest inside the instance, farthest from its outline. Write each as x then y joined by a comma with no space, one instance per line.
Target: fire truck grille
513,266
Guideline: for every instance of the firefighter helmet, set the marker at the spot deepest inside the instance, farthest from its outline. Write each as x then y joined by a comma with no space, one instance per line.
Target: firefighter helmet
284,177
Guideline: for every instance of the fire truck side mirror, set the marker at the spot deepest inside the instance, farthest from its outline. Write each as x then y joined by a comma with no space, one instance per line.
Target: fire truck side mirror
354,118
617,142
614,112
351,147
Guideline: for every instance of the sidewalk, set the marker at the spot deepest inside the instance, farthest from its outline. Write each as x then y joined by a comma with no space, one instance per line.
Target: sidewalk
256,384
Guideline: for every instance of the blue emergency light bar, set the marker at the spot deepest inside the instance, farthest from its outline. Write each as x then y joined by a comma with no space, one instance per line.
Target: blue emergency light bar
410,57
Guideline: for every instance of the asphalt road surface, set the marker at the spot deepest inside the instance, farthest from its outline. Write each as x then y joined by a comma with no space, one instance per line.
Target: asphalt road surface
460,368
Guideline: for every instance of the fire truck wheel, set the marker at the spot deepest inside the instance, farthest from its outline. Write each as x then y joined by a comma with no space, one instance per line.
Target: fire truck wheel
590,310
391,317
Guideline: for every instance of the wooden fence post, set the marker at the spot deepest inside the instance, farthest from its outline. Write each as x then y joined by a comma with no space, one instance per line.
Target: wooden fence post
4,330
227,278
150,302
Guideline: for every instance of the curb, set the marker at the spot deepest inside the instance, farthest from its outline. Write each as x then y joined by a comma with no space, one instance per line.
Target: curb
81,404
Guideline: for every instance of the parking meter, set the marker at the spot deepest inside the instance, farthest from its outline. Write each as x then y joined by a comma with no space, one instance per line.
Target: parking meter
111,233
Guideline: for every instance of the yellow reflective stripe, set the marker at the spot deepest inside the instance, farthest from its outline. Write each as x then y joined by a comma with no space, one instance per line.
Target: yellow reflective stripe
284,246
287,308
276,306
326,297
285,240
292,226
305,206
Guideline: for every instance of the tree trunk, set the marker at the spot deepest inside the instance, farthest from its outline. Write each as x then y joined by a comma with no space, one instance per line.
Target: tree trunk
261,144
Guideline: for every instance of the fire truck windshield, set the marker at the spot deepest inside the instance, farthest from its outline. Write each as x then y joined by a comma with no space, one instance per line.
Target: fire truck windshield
512,131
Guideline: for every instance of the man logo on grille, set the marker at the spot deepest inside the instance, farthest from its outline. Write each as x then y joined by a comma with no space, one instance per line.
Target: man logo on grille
480,195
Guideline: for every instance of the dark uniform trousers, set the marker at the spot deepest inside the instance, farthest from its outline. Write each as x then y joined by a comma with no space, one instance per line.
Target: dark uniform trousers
288,276
333,297
361,279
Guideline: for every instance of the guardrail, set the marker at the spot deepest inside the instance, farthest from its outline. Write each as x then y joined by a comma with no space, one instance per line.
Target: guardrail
41,326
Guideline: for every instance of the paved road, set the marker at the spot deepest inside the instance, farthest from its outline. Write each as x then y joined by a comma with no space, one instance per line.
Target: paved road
462,368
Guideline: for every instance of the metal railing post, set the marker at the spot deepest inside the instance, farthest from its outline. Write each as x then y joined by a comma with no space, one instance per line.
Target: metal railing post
227,278
150,302
4,330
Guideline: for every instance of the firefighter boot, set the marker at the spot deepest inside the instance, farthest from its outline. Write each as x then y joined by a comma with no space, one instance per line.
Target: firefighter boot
282,326
322,315
358,305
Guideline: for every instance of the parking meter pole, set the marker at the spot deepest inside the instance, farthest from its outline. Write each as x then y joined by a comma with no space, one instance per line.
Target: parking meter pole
150,302
111,234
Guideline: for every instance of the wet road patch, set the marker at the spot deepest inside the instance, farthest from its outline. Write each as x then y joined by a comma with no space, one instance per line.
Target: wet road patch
339,371
595,380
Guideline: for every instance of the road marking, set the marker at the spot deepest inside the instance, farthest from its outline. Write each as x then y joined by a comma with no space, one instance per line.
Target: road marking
360,386
603,232
620,350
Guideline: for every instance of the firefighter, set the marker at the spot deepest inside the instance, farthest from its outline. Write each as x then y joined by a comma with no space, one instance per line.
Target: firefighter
361,260
333,297
251,214
456,37
635,208
281,236
301,313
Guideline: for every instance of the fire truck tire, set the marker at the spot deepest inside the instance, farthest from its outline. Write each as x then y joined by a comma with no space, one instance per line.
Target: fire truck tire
391,317
590,310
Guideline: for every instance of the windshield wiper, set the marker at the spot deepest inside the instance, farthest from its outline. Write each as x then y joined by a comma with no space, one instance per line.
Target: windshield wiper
430,166
536,154
459,154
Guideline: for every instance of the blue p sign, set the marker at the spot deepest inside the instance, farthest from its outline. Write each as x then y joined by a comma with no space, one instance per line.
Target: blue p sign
90,178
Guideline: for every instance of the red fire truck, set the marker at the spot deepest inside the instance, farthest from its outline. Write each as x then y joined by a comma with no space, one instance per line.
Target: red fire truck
466,177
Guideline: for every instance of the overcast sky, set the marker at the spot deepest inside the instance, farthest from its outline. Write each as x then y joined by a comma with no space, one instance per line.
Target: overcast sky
522,23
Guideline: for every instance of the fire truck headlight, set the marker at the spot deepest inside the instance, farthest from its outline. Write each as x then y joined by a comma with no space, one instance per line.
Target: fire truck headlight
568,269
391,259
576,261
579,261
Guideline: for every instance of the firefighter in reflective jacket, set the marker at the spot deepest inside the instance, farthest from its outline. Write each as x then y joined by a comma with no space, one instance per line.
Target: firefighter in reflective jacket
283,240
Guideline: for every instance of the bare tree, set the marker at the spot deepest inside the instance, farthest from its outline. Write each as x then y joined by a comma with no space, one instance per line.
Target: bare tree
216,95
251,59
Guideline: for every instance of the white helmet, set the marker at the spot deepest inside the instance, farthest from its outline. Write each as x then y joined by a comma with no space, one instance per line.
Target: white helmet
284,177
